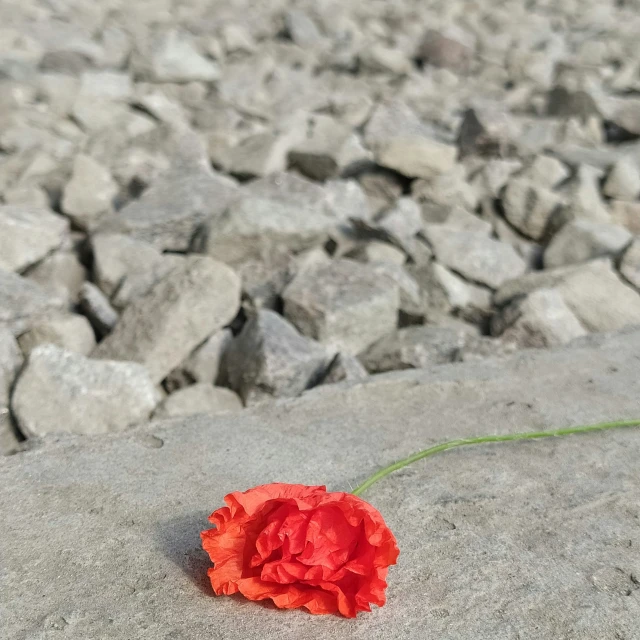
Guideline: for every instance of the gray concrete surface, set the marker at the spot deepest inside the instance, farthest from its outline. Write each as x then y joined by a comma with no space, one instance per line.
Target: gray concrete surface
515,541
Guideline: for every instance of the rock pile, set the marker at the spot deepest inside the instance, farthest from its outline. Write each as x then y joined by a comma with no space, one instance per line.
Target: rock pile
203,206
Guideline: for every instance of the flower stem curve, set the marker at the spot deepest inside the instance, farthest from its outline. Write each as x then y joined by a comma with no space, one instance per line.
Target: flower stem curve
452,444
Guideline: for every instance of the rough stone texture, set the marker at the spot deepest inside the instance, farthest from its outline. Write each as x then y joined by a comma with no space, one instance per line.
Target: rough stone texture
204,363
60,391
270,358
170,212
172,57
125,268
626,214
280,210
529,207
95,305
441,51
89,194
527,521
161,329
342,304
199,398
582,240
599,299
23,302
416,348
325,150
10,362
630,264
475,256
62,274
623,181
70,332
345,368
28,234
444,292
545,171
416,157
542,319
597,296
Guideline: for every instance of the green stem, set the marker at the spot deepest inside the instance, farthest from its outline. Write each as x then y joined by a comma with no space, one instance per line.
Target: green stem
452,444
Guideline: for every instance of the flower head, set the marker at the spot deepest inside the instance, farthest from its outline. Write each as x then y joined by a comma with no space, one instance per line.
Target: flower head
300,546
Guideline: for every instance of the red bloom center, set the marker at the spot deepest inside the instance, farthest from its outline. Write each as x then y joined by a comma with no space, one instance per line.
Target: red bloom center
301,547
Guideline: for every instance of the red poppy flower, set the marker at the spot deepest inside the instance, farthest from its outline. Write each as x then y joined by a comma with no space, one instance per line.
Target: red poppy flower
301,547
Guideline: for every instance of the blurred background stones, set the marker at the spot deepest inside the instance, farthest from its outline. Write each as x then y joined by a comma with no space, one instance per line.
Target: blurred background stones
204,206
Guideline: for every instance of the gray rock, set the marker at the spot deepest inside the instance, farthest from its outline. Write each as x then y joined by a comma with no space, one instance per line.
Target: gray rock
626,214
382,59
256,155
345,368
90,494
455,217
378,251
10,441
263,280
416,157
583,195
90,193
270,358
444,292
97,308
163,327
440,51
173,57
327,149
198,398
70,332
126,268
10,362
447,188
203,364
62,274
489,181
475,256
630,264
623,181
237,38
529,207
411,299
582,240
542,319
27,196
523,285
563,103
393,118
415,348
302,29
599,299
483,347
382,188
282,210
179,202
60,391
106,85
402,222
28,234
342,304
545,171
347,200
23,302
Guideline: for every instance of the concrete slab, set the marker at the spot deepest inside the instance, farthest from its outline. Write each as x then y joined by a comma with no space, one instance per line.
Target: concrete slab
521,540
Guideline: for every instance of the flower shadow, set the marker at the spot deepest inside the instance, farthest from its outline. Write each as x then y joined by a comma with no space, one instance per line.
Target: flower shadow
179,540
